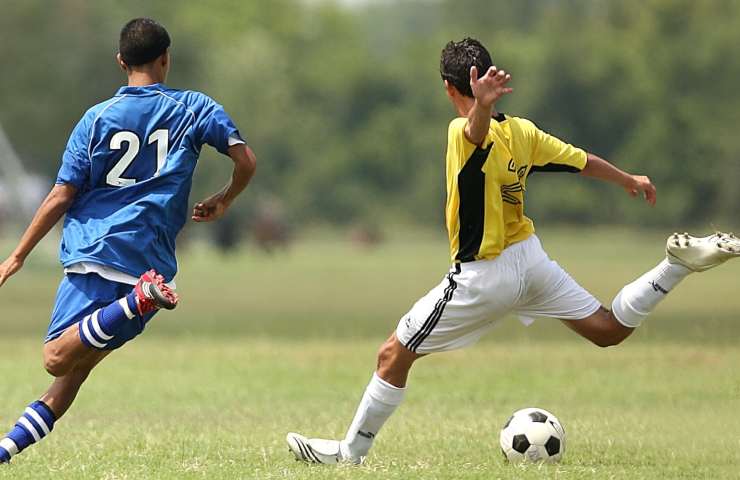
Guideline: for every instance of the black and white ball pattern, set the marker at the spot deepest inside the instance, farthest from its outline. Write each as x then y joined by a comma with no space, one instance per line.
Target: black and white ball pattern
533,435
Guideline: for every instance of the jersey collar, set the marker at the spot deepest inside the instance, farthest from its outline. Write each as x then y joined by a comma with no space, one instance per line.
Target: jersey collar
147,89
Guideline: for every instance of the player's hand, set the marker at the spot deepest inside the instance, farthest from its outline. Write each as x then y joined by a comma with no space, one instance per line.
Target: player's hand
9,267
210,209
641,185
490,87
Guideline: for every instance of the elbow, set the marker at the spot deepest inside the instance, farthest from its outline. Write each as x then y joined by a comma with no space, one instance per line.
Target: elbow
62,197
474,138
250,163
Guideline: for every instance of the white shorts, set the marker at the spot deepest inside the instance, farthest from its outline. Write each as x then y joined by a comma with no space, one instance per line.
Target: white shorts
474,296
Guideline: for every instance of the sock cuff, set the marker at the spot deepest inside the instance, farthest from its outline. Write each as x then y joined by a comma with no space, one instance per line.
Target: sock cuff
133,307
45,411
384,392
91,334
625,313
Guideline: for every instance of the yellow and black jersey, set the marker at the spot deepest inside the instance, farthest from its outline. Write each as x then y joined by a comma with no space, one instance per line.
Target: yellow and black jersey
485,184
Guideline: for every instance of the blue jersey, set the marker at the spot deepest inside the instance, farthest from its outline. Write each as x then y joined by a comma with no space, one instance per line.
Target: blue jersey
132,159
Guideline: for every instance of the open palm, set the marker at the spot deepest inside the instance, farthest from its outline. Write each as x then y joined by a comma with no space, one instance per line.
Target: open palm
490,87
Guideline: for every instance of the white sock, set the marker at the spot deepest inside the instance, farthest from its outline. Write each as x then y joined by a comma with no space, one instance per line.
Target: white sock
639,298
378,403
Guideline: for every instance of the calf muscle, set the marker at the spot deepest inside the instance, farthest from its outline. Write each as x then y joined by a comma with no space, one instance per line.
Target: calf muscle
601,328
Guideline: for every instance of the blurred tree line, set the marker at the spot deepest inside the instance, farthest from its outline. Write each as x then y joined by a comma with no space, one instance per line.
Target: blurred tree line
345,108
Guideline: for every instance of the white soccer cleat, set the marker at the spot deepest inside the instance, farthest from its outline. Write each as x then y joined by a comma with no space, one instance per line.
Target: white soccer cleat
317,450
700,254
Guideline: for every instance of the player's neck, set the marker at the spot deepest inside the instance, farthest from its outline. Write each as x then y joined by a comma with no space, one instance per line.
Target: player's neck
142,79
464,105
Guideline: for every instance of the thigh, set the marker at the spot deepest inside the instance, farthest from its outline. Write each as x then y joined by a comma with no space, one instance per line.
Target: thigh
549,291
458,311
80,295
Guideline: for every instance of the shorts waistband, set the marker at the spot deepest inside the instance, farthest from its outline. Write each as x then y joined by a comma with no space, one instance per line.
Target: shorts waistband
513,249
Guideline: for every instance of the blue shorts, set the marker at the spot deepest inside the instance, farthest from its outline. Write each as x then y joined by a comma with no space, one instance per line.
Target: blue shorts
80,295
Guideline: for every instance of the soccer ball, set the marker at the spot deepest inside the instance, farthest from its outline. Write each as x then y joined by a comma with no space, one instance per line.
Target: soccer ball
533,435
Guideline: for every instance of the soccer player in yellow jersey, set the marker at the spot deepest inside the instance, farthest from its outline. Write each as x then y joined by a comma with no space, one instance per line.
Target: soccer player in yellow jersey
498,264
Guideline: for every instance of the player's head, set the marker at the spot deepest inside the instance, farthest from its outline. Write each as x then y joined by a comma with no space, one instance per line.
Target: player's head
144,45
455,63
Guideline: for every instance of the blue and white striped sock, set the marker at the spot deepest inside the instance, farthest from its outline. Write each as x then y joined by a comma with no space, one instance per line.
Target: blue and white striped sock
97,329
35,423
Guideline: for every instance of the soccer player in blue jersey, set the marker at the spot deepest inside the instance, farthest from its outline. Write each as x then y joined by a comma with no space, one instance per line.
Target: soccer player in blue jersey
124,184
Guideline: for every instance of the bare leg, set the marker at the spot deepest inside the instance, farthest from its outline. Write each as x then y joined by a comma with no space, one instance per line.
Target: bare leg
63,390
38,419
602,328
63,353
382,396
395,361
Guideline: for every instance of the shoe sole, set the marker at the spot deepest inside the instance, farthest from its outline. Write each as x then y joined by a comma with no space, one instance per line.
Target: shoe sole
160,298
727,243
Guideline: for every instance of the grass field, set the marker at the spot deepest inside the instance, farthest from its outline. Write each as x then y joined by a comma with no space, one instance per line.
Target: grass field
263,345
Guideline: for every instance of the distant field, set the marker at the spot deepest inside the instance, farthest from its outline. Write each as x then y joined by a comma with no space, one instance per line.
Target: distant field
262,345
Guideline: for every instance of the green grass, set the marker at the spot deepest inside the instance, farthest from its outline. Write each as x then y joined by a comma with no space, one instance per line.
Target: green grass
263,345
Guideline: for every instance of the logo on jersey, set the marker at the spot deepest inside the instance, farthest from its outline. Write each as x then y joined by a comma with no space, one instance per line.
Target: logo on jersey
508,191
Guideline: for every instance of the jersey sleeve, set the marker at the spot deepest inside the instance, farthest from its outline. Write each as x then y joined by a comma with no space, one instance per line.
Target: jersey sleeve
75,169
217,129
550,154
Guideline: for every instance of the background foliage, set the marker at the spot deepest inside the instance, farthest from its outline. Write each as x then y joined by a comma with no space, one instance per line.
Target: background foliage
344,106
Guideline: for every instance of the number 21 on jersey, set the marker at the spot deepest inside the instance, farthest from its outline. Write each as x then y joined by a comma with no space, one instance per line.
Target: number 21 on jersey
160,137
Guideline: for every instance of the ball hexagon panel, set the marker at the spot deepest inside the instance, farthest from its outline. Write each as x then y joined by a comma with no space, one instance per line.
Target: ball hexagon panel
520,443
538,416
537,433
552,446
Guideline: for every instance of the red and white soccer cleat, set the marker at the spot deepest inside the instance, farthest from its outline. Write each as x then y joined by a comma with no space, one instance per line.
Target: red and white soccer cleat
152,293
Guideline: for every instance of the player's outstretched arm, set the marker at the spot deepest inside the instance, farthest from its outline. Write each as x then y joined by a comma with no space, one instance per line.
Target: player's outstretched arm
486,90
51,210
213,208
635,185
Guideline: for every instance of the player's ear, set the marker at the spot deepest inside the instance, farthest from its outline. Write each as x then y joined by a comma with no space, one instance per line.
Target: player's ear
166,63
450,89
121,63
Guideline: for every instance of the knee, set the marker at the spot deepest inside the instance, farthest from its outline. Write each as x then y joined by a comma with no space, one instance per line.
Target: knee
387,355
393,356
610,332
606,341
55,366
54,362
609,338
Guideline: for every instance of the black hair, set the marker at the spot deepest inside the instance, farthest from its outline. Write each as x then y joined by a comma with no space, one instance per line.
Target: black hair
142,41
456,60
